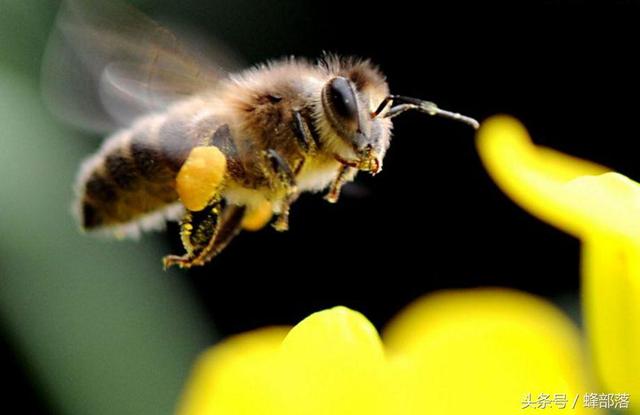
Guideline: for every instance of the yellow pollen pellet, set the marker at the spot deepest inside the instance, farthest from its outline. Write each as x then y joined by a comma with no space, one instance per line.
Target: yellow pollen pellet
200,176
257,217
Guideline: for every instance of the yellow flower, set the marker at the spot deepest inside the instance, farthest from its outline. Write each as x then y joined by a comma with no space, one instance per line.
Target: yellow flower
602,209
457,352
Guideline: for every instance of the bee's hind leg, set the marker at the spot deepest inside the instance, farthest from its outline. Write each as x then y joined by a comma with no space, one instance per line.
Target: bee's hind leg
206,233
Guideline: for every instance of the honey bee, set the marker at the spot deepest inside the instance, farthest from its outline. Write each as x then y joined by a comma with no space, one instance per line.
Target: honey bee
220,152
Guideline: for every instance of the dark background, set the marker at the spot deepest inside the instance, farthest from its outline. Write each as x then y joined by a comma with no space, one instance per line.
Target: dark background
432,219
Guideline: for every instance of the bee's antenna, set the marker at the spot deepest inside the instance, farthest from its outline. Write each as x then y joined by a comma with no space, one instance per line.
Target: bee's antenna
402,104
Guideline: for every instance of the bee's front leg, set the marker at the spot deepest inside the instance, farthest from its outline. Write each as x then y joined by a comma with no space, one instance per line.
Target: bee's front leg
345,174
205,233
282,176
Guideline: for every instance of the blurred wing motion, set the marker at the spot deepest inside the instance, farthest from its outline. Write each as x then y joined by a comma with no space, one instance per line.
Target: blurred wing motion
107,63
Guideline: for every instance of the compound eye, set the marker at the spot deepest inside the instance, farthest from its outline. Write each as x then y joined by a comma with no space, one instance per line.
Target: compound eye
339,97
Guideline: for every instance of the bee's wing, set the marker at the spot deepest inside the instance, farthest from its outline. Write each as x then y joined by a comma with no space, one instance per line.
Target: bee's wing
107,63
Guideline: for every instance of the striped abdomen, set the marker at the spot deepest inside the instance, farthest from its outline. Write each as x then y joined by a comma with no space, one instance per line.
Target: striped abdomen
133,175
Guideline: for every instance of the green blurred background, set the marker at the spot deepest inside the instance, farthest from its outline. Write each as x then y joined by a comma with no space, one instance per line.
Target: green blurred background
97,327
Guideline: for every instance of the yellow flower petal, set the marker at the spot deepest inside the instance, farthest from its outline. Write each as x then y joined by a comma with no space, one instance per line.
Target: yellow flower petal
335,365
452,353
331,363
235,377
535,177
603,210
482,351
609,203
611,296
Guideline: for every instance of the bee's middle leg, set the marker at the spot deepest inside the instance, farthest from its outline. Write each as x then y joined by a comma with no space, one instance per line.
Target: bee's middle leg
282,175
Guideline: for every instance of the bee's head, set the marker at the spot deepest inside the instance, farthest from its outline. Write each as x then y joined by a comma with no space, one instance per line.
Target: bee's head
348,107
356,112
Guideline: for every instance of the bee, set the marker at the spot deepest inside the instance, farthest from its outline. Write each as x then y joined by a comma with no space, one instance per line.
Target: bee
221,152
